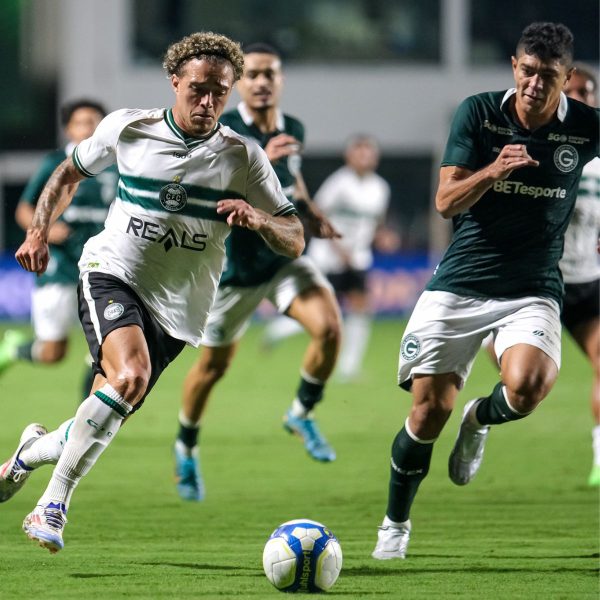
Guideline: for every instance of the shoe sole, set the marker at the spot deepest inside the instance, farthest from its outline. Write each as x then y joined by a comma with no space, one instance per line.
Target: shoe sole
387,556
44,540
451,460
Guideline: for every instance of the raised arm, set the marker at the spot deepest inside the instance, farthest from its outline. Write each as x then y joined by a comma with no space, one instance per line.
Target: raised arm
56,196
460,188
283,235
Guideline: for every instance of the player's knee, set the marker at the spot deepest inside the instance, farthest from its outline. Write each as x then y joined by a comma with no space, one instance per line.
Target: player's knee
330,332
213,369
430,417
526,392
132,382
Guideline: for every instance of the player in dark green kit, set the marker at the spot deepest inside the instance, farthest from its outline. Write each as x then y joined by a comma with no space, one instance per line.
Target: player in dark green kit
54,300
509,181
253,272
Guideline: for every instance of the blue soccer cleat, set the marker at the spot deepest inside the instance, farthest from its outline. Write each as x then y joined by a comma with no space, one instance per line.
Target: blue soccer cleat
45,525
314,442
190,485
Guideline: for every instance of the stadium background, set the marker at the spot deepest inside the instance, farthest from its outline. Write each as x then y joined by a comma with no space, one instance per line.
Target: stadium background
393,68
526,527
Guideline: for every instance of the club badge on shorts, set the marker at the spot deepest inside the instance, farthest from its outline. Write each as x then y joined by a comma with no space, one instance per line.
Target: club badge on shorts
410,347
113,311
173,197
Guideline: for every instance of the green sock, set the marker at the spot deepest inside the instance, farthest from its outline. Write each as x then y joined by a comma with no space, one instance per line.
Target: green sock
409,466
24,352
494,409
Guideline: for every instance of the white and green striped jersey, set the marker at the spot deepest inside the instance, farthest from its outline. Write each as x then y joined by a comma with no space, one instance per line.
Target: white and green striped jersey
163,236
579,263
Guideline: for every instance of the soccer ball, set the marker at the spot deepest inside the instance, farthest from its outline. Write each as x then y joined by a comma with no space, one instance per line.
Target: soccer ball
302,556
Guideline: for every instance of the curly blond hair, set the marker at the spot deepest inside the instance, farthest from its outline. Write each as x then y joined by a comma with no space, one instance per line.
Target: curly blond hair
204,44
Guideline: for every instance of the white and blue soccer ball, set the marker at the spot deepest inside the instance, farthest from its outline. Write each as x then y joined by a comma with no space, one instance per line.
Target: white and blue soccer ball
302,556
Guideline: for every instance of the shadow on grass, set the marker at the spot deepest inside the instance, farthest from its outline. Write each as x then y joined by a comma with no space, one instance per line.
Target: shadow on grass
202,567
367,571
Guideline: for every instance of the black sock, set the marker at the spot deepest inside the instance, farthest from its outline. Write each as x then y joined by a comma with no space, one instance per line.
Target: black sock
494,409
188,435
309,393
24,351
409,466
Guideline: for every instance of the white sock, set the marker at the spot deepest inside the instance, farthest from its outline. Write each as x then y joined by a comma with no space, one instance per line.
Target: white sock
298,409
596,444
357,328
47,449
183,420
280,328
387,522
96,423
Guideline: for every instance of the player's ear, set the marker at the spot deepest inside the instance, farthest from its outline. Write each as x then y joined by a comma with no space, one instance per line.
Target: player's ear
175,83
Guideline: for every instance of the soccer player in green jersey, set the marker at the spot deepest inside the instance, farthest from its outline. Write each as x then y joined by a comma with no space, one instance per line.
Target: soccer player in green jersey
509,181
254,272
54,300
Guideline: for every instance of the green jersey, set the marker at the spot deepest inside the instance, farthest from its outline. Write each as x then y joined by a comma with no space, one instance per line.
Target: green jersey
508,244
85,216
249,260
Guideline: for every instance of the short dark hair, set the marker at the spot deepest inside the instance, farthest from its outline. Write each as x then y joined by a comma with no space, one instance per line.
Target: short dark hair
548,41
261,48
68,108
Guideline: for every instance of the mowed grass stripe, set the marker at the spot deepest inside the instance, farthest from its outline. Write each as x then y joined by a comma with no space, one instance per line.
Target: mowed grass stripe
527,526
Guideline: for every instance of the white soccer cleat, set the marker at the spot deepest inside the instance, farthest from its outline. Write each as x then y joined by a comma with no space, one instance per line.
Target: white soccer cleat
45,525
13,473
467,454
392,541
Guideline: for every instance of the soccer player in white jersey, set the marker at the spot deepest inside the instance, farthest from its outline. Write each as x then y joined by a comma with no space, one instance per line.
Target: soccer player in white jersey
579,265
148,280
356,199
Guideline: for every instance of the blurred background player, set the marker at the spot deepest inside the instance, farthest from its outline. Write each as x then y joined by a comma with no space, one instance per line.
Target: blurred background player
54,299
254,272
579,264
355,199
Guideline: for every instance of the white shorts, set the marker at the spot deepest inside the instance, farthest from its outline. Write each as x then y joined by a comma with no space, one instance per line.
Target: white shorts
445,332
54,311
233,307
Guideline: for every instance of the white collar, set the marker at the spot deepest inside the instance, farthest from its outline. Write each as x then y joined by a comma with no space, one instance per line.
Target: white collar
247,117
561,113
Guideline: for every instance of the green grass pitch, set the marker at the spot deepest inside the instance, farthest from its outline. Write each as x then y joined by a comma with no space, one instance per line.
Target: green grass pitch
527,527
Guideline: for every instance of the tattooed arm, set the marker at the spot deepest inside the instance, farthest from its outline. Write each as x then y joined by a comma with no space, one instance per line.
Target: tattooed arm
284,235
56,196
